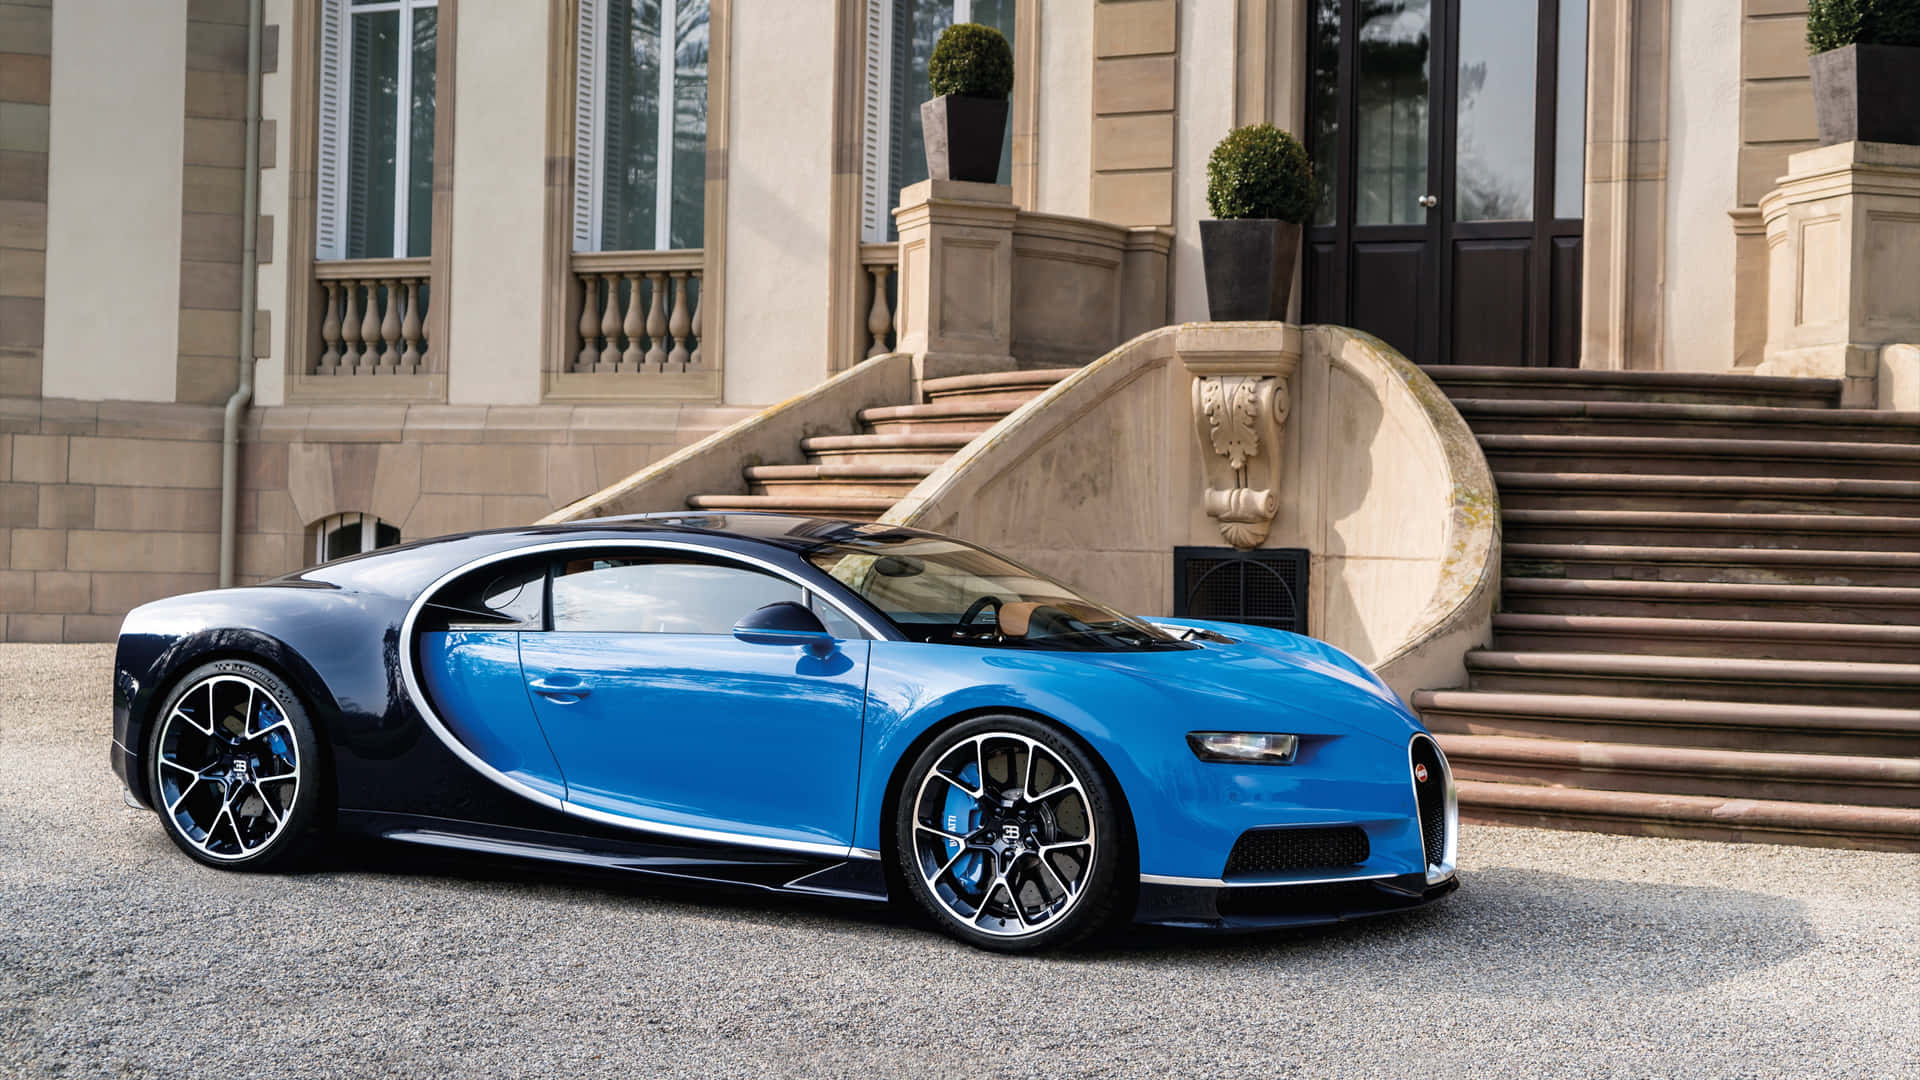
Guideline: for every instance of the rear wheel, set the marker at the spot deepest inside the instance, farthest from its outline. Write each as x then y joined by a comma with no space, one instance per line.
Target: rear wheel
235,768
1007,834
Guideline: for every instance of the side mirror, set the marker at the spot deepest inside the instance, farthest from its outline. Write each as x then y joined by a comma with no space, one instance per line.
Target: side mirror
785,623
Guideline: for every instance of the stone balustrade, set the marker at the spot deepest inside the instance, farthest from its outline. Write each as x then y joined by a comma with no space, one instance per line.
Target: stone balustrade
621,331
881,263
374,318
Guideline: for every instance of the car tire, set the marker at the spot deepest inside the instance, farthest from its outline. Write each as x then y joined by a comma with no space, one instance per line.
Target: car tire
235,768
1033,858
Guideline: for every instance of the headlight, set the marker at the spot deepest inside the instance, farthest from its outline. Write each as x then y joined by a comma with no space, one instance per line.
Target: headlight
1244,747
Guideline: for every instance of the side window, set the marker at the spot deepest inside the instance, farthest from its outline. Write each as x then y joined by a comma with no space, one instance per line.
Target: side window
659,594
504,596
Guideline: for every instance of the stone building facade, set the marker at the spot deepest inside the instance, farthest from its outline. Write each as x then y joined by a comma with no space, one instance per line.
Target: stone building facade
508,251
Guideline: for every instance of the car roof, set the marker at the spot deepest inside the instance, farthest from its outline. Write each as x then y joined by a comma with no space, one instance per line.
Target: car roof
410,566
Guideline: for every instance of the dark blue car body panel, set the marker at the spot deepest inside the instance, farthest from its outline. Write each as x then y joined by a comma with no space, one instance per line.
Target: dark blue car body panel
623,773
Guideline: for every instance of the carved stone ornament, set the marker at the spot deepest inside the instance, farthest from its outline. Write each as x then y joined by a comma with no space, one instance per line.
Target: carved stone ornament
1239,419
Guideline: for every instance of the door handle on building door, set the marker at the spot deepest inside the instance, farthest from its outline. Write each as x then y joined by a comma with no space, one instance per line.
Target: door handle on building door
1429,201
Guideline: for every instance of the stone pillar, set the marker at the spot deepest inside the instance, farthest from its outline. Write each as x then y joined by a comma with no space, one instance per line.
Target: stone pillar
1843,267
956,277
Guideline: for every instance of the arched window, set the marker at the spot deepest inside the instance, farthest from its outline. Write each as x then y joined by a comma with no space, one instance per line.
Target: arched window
342,535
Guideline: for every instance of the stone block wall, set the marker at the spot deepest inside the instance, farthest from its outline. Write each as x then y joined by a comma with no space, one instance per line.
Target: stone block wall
105,506
26,86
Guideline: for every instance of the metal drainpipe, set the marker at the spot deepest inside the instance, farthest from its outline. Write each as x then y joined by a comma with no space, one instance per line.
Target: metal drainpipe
249,268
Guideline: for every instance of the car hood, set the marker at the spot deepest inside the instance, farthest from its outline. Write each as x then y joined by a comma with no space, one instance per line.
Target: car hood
1263,680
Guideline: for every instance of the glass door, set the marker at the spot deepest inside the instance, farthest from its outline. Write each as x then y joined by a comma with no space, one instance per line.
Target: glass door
1448,136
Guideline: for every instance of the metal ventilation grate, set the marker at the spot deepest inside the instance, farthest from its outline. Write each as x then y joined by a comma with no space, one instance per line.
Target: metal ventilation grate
1267,587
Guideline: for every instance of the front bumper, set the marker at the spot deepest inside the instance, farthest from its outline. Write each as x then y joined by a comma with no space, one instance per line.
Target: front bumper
1262,907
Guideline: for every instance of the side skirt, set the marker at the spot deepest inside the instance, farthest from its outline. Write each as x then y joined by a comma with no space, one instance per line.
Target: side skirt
717,864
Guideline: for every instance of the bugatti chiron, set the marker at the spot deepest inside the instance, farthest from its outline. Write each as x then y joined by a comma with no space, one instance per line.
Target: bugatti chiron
836,708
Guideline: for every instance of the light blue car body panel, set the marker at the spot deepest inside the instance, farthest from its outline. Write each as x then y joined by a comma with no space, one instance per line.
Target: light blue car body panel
774,743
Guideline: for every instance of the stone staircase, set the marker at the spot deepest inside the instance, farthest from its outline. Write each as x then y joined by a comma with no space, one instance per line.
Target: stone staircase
859,476
1710,620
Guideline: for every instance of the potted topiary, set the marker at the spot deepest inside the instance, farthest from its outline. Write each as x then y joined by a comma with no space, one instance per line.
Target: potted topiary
1866,70
1260,188
970,74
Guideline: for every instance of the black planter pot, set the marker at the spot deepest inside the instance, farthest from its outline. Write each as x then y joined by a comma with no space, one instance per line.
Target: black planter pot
963,136
1249,265
1868,93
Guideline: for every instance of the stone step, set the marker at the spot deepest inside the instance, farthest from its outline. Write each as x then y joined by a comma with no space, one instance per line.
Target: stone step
1754,727
1514,631
1698,817
1663,528
1672,770
966,415
1694,678
835,480
915,449
1753,566
1493,416
994,384
851,507
1700,457
1712,600
1706,494
1677,387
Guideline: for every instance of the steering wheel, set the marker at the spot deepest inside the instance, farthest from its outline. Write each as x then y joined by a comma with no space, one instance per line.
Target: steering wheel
974,609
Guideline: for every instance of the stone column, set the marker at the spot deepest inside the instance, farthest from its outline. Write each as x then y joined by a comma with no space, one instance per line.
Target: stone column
1843,268
956,277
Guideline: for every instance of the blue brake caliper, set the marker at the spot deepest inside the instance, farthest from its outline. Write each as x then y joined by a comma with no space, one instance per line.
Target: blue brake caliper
961,815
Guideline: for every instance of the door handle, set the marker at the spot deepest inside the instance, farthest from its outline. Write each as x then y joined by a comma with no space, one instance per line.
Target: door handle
556,691
1429,201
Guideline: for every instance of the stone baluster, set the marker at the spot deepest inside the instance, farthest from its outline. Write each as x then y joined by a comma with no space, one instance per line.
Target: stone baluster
679,323
410,330
631,359
350,329
589,323
879,318
610,326
370,331
694,329
330,333
390,329
656,321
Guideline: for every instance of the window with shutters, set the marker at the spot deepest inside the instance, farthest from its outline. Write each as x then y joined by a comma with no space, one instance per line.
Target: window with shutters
900,39
375,182
640,125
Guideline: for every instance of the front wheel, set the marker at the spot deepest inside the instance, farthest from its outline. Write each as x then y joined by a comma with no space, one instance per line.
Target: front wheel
235,768
1008,835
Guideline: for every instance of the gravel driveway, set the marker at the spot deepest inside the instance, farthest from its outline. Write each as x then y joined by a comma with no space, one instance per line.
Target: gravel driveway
1565,954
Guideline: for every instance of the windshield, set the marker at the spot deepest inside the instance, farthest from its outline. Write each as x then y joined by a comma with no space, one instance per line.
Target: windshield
941,590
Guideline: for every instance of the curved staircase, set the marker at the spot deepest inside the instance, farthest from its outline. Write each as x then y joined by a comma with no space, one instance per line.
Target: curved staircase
1710,620
860,475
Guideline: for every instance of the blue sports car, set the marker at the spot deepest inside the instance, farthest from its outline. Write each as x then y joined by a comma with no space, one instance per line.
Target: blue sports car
811,706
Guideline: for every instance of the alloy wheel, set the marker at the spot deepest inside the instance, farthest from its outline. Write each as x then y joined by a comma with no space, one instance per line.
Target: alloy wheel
228,767
1003,834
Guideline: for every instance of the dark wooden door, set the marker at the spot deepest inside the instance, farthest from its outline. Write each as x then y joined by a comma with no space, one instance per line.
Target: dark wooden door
1448,136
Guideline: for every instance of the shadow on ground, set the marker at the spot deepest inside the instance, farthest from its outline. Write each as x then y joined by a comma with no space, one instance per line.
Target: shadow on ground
1507,926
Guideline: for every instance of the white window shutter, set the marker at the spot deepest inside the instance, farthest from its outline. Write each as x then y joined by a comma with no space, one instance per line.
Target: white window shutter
330,233
586,119
875,141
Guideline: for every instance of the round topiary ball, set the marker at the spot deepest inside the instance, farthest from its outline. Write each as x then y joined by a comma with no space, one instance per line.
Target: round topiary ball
1835,24
1260,171
971,60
